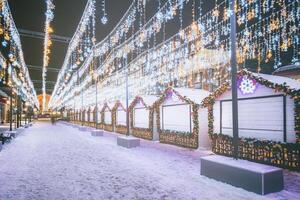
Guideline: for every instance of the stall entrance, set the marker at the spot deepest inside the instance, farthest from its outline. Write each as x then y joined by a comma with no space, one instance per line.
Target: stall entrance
259,117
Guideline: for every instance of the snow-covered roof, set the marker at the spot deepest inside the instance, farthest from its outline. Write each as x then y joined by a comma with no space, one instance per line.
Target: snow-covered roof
122,102
100,106
92,107
291,83
196,95
111,105
149,100
287,68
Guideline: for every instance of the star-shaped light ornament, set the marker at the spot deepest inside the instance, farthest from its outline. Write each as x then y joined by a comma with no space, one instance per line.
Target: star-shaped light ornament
247,85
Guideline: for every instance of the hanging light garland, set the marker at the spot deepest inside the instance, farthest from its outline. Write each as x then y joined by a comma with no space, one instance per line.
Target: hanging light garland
47,44
104,18
14,65
264,33
79,48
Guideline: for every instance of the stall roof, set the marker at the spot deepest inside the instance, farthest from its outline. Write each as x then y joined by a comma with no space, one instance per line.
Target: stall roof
110,105
123,102
195,95
287,68
291,83
100,106
92,107
149,100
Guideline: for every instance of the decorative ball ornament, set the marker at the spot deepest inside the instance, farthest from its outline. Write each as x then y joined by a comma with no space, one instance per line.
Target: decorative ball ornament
247,85
104,20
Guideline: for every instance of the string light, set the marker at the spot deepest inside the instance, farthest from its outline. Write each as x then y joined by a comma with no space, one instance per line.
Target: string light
77,47
104,18
47,44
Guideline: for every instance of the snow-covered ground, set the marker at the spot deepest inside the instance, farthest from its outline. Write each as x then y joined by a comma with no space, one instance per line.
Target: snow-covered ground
59,162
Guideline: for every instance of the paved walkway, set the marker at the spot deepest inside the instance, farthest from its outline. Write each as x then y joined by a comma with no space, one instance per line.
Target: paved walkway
58,162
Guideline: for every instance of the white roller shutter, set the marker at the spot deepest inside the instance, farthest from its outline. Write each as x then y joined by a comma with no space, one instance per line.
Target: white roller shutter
176,118
260,118
141,118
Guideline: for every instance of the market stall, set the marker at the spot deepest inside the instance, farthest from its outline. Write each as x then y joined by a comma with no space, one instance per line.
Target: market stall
120,116
100,119
86,116
78,116
81,115
268,110
107,117
177,113
72,115
142,117
92,116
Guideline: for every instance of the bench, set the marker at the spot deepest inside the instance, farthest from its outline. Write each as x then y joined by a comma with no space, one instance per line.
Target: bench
5,137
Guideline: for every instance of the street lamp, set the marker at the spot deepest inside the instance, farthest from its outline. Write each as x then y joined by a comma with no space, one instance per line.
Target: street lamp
127,96
10,100
95,77
235,125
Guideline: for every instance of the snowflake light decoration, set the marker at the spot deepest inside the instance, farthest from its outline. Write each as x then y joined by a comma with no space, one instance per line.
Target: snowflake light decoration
247,86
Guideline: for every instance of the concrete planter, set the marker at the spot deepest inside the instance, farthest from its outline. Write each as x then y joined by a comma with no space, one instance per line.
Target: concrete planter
254,177
128,141
97,133
83,128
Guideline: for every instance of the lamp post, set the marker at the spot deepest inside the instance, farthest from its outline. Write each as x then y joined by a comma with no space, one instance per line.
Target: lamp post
10,109
11,100
25,112
81,93
74,113
21,112
127,97
235,125
96,105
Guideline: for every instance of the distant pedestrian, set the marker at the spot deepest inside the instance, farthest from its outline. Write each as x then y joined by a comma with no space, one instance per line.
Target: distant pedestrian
53,120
